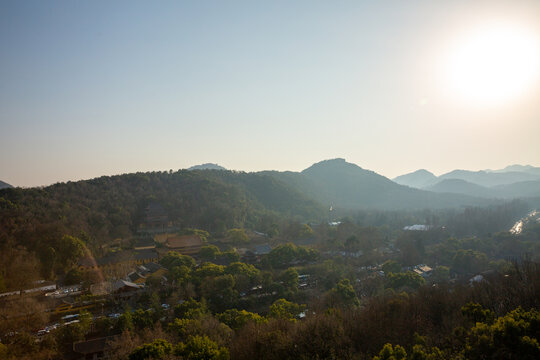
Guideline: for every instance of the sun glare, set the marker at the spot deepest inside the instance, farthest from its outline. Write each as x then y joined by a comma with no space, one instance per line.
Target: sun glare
493,65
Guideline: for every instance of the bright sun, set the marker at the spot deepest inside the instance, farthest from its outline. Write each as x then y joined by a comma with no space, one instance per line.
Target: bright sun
494,64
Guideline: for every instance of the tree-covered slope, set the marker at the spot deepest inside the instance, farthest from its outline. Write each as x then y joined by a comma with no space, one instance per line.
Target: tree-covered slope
114,206
458,186
520,189
4,185
272,193
342,184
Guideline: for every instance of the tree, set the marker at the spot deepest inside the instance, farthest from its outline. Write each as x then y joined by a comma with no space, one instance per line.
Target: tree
103,325
284,309
21,344
180,274
237,236
295,230
408,279
441,273
245,275
513,336
191,309
219,291
476,313
230,256
236,319
67,335
285,254
2,284
158,349
125,322
30,314
420,352
208,269
209,253
369,238
174,258
85,321
469,261
69,250
305,231
240,268
321,336
411,250
3,351
391,266
290,279
306,254
143,319
205,326
282,255
352,244
201,348
389,352
74,276
343,294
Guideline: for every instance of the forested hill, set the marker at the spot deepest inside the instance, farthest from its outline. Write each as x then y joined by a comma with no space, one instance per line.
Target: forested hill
4,185
342,184
113,206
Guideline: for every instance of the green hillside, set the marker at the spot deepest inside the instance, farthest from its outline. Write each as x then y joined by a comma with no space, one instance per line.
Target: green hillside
341,184
114,206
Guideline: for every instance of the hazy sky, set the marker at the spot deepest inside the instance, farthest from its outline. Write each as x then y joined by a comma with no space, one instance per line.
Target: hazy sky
90,88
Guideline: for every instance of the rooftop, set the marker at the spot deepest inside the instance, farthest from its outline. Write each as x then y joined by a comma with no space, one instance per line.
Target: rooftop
123,284
153,267
184,241
262,249
92,346
123,256
144,242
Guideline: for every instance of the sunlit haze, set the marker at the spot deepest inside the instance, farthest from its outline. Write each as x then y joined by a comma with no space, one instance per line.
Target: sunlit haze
108,87
494,64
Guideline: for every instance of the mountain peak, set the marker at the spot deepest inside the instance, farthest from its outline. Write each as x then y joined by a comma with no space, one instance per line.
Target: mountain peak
423,171
332,165
417,179
207,166
518,167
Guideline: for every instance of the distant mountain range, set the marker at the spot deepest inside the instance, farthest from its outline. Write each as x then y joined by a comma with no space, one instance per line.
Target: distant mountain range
514,181
4,185
231,198
341,184
458,186
207,166
520,168
489,179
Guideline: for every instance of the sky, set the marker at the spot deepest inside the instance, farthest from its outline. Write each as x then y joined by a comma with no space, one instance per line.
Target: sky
92,88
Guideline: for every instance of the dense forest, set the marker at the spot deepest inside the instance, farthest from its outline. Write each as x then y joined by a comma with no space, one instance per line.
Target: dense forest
106,208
